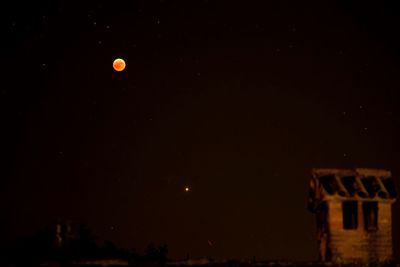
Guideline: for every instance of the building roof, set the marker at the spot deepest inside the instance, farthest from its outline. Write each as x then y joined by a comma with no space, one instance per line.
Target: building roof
351,184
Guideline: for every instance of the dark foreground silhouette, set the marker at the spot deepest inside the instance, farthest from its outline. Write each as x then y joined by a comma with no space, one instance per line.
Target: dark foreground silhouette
65,247
47,248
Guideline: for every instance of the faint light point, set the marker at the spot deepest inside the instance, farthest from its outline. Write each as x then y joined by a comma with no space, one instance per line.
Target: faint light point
187,189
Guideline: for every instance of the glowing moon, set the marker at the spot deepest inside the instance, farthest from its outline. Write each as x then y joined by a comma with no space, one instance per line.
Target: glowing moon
119,64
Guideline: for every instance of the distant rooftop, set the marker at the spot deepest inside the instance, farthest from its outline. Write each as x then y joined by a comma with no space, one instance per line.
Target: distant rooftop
351,184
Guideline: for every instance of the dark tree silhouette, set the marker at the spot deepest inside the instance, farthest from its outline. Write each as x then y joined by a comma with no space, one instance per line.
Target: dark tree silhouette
75,246
84,246
156,255
30,251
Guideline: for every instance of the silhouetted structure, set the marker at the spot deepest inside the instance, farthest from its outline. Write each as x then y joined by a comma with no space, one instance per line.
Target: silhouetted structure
353,210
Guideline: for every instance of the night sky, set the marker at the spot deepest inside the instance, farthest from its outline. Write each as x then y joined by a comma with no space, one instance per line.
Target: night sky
236,101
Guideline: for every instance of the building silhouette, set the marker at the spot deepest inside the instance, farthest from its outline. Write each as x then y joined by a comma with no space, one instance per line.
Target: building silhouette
353,208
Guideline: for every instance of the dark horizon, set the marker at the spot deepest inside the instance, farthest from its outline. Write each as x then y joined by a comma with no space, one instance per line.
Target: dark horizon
236,101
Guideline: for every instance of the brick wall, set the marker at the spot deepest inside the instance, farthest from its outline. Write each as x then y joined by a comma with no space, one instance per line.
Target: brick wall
359,244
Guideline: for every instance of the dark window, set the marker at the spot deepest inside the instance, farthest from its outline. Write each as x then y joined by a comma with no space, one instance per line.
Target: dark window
390,186
350,220
329,183
371,185
349,183
370,211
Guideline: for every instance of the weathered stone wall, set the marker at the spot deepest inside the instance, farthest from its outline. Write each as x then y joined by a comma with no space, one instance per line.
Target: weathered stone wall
359,244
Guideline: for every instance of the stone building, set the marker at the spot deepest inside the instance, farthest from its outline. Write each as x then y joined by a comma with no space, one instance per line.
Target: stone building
353,210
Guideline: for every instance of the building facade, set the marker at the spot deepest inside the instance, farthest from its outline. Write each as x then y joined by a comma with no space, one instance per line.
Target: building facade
353,210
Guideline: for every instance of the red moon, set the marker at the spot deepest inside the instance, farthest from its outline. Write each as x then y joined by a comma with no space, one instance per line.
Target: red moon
119,64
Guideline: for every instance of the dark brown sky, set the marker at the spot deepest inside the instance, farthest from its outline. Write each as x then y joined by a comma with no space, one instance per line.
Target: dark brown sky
238,101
